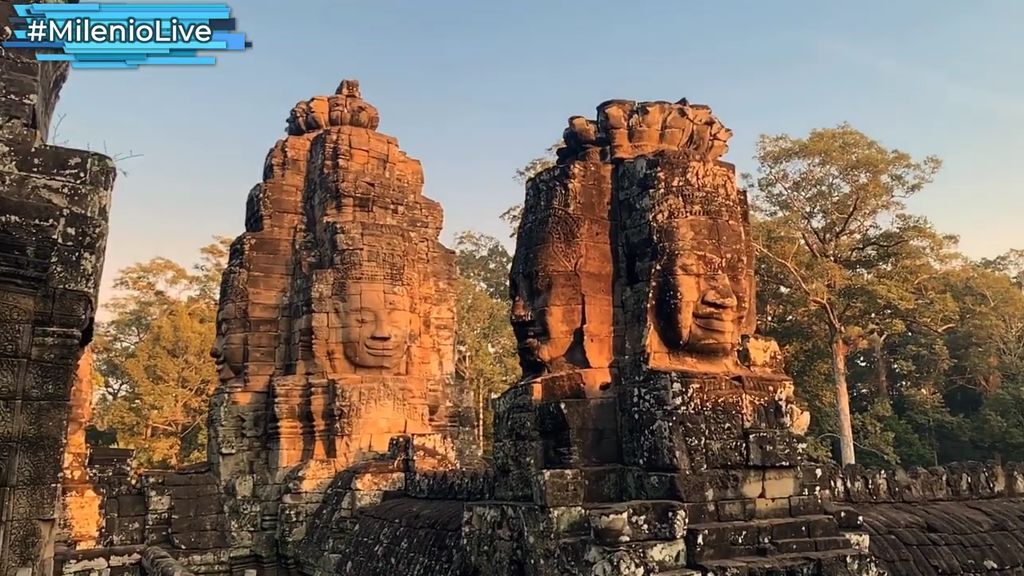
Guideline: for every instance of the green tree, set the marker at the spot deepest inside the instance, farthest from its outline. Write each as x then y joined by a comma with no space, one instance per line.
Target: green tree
835,225
153,358
483,261
485,345
986,342
999,428
1011,263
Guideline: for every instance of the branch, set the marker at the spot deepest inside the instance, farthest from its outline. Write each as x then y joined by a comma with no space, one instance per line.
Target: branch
120,157
819,237
189,429
55,131
804,214
793,271
849,217
808,243
876,244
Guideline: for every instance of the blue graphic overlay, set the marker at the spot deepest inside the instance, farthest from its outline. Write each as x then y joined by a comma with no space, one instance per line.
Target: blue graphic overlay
125,36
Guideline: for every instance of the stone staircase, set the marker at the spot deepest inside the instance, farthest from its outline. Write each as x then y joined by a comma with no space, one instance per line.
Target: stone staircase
658,535
809,545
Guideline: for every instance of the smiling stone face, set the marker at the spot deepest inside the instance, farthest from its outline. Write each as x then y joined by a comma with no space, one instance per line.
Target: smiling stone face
687,282
702,293
374,325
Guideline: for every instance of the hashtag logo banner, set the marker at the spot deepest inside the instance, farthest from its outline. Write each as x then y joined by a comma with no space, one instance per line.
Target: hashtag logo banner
125,36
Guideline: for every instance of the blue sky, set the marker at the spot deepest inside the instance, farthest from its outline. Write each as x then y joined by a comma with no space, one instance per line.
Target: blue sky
475,89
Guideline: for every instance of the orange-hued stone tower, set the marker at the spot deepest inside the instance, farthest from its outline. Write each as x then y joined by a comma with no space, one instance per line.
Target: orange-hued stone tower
336,321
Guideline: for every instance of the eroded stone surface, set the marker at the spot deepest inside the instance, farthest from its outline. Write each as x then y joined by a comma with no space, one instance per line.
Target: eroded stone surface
54,204
647,406
82,514
336,321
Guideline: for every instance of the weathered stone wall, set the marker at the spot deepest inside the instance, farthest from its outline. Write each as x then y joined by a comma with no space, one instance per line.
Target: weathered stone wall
184,514
122,503
118,560
54,204
955,482
181,511
968,537
401,536
401,513
961,518
136,560
81,504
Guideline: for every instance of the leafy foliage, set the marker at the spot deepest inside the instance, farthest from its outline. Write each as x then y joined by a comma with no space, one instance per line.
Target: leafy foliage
930,343
537,164
486,347
484,262
835,239
153,357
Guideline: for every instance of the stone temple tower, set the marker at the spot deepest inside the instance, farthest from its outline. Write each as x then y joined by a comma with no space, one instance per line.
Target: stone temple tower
336,320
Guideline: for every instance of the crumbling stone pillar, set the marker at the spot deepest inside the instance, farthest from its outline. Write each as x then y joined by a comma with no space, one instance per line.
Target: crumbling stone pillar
653,431
336,323
54,204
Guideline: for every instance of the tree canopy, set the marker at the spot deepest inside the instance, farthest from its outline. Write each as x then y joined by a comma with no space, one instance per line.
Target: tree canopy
899,343
153,358
486,347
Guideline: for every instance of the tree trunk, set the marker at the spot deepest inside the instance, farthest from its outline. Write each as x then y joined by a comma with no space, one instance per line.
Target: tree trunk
842,396
881,368
480,417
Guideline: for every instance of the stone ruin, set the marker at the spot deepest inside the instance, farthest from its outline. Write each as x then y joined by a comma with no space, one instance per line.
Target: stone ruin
651,424
652,431
336,327
54,203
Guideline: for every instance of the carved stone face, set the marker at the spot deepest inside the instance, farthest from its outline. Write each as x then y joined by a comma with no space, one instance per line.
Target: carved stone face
544,335
703,291
546,312
375,324
227,352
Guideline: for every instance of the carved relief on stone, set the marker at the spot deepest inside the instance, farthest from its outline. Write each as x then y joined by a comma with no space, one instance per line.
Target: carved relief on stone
371,321
687,290
227,352
631,129
561,277
613,118
335,328
55,202
795,418
374,325
581,139
701,284
560,280
345,108
340,296
647,125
